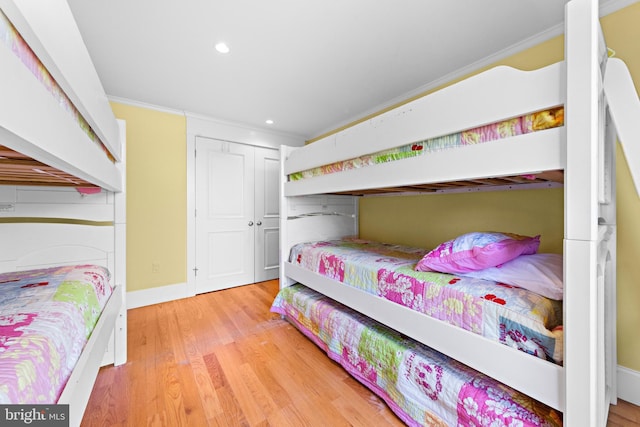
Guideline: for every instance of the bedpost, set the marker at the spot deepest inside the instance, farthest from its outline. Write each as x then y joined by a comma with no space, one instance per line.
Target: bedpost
583,321
284,209
120,279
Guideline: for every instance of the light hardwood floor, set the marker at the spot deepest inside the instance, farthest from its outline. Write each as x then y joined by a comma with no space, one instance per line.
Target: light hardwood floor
222,359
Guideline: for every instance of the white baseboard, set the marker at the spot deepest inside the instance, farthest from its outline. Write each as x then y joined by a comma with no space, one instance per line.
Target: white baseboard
629,385
157,295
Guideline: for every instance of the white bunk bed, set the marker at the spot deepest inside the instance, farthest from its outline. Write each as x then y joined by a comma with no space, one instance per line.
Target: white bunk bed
62,171
601,105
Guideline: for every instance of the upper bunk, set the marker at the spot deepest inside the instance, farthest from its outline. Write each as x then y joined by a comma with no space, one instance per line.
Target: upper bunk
56,125
501,128
498,96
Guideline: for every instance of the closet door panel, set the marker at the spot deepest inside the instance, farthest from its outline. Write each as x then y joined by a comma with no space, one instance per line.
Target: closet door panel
267,210
224,214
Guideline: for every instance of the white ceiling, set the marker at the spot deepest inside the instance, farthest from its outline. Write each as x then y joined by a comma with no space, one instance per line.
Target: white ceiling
309,65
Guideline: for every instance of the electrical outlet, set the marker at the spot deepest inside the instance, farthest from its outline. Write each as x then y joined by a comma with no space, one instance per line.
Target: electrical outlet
155,267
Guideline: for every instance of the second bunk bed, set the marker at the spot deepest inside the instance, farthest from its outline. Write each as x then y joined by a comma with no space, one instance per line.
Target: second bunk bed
62,215
525,354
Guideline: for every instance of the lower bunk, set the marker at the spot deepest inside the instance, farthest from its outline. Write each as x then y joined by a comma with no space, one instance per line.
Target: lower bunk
505,304
54,325
422,386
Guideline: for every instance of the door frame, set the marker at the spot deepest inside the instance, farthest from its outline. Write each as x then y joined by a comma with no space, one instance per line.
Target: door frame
225,131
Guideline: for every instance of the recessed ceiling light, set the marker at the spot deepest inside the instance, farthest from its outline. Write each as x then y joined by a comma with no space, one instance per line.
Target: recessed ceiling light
269,121
222,47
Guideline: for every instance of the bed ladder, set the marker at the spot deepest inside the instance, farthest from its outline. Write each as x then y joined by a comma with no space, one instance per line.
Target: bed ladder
624,107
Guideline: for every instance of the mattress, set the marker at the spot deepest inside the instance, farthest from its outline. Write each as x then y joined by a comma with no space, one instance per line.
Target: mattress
422,386
512,316
46,318
539,120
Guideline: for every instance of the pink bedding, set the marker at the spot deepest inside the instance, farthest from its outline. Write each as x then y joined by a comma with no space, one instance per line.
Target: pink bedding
513,316
46,318
540,120
423,387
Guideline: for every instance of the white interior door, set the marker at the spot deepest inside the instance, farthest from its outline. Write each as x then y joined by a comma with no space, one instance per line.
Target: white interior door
267,212
225,237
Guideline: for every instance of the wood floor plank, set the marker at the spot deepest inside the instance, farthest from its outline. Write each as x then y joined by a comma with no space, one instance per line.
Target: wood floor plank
170,399
215,370
263,353
318,376
196,369
624,414
223,359
259,391
287,416
232,414
233,368
205,388
628,411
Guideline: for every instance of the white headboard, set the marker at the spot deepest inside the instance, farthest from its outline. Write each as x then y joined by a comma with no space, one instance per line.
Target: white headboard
25,246
45,226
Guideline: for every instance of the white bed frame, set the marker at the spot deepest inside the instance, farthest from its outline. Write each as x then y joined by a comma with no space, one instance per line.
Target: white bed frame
584,148
37,244
50,30
43,226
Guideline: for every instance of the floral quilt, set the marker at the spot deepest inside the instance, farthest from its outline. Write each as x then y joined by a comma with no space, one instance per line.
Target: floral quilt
513,316
46,318
539,120
422,386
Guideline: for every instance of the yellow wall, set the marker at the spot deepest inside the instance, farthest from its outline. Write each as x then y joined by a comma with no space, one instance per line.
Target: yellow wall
428,220
622,33
156,197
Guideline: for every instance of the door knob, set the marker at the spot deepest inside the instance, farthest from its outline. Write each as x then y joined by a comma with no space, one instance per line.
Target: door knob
250,223
259,223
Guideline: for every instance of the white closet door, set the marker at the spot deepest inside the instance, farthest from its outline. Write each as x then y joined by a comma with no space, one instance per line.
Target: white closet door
224,214
267,213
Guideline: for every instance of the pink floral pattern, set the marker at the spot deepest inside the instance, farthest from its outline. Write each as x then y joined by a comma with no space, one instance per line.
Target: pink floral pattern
513,316
540,120
485,402
47,317
422,386
11,327
332,267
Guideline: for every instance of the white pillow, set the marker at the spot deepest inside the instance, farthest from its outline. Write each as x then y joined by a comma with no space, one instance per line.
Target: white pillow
539,273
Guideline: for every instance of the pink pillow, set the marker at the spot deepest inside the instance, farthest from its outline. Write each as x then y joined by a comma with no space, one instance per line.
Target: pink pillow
477,251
